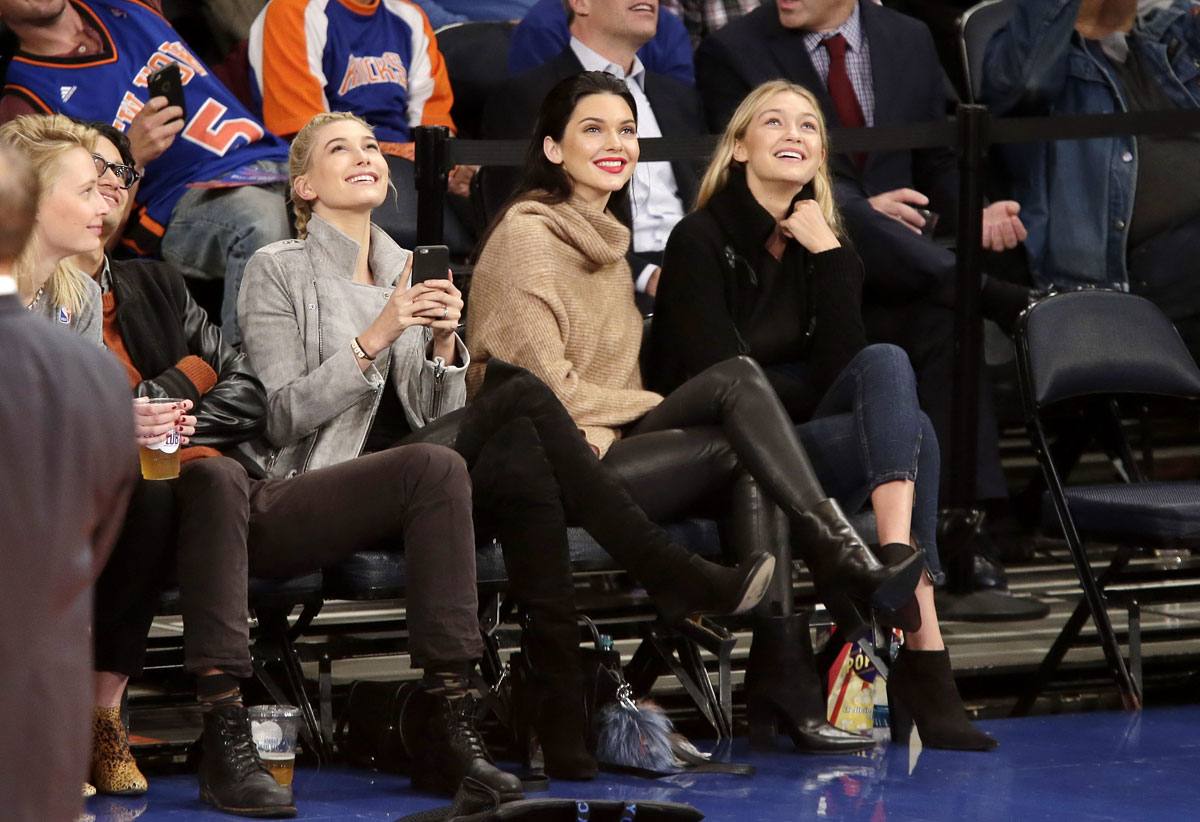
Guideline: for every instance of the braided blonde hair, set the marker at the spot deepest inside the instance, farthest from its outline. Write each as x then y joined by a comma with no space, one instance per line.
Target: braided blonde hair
716,177
44,139
300,160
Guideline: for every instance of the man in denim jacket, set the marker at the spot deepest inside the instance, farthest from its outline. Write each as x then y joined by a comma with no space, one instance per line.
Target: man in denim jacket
1120,211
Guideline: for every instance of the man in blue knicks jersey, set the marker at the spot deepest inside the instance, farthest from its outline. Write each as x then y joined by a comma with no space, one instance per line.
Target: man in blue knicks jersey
213,192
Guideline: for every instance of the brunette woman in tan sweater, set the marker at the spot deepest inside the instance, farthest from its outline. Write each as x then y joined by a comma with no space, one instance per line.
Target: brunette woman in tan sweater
552,292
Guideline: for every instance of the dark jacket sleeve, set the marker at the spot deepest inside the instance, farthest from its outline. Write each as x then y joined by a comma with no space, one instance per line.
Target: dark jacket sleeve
837,278
722,86
935,170
692,327
234,410
901,265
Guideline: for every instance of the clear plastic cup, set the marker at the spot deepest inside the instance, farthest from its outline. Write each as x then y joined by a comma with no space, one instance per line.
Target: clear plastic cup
161,462
273,728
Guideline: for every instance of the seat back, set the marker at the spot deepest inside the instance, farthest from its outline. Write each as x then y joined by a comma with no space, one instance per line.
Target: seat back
476,55
1097,342
976,28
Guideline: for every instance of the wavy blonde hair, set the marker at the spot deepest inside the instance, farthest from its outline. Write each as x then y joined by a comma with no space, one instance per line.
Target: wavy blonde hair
716,177
44,139
300,160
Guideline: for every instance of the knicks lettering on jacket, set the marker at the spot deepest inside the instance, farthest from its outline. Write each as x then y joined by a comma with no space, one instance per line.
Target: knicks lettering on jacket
362,71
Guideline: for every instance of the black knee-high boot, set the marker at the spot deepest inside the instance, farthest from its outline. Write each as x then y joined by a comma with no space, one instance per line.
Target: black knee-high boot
783,683
517,498
736,395
680,582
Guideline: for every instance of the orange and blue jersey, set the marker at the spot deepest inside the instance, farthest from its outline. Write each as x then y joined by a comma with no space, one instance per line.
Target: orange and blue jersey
220,138
375,58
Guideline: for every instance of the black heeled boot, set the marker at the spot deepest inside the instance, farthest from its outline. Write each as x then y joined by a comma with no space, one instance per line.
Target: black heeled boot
232,775
847,576
440,737
551,696
908,616
698,587
783,691
922,685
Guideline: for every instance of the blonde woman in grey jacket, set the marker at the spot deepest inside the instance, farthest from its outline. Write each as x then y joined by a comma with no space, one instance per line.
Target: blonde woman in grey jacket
355,361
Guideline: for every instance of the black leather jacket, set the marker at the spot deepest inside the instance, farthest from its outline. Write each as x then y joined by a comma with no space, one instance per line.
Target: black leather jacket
161,324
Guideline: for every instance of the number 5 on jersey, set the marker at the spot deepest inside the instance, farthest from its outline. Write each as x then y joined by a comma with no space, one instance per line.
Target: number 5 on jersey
209,131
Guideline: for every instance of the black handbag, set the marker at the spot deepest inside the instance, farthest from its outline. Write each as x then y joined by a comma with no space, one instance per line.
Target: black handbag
369,729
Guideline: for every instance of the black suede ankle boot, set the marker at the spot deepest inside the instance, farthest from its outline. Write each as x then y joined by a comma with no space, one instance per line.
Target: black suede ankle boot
847,576
232,776
783,691
922,683
440,737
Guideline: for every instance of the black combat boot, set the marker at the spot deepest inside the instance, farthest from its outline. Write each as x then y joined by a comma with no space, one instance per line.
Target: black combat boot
232,776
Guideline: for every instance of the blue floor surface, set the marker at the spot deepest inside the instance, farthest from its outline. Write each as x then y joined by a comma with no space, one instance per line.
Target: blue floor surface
1095,766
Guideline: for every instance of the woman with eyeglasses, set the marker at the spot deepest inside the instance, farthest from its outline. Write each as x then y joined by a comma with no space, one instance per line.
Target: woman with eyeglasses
69,220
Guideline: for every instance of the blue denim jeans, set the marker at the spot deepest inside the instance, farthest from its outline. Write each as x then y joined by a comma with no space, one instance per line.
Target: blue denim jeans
213,232
869,429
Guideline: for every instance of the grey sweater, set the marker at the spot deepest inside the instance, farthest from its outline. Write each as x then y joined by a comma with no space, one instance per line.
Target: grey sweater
87,322
299,308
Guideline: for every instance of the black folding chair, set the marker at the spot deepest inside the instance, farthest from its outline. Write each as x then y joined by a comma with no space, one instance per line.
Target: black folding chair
1082,358
976,27
476,55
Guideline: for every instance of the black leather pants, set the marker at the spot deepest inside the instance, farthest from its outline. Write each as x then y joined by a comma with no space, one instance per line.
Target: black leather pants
591,495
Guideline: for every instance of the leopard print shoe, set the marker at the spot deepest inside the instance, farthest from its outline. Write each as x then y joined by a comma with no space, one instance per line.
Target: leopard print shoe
89,790
114,771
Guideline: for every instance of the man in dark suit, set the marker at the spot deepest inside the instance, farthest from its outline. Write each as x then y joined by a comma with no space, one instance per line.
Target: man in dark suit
66,447
605,36
868,66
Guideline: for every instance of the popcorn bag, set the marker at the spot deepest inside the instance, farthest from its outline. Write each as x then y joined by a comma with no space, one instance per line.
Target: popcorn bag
857,693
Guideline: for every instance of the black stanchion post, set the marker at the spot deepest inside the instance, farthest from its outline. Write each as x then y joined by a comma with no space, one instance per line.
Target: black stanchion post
964,425
432,174
960,599
968,331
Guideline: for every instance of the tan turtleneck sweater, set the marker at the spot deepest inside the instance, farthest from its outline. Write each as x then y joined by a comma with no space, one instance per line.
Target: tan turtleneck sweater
552,293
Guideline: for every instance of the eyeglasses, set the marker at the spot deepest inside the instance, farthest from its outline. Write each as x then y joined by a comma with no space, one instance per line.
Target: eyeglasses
126,174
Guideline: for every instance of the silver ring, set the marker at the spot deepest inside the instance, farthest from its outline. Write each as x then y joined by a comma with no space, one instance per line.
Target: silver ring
445,311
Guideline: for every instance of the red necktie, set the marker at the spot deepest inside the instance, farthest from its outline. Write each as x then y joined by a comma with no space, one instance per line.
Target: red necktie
842,91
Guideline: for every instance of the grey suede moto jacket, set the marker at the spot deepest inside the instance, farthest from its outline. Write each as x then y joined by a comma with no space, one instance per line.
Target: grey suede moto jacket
299,309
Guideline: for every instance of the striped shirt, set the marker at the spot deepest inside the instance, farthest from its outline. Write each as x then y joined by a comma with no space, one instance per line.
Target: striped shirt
858,61
703,17
376,58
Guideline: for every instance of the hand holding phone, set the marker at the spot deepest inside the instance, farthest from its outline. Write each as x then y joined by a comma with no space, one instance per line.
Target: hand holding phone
168,82
430,262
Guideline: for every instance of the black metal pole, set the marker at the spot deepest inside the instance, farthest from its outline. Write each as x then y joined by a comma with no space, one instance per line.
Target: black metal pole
431,175
960,600
968,333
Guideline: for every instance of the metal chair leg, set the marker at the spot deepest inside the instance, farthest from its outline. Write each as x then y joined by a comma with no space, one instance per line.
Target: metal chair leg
1135,646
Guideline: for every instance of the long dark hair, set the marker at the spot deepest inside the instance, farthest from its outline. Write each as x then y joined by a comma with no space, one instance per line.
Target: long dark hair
546,182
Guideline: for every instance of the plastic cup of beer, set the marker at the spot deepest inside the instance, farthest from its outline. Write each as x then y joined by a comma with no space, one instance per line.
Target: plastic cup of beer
161,462
273,728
